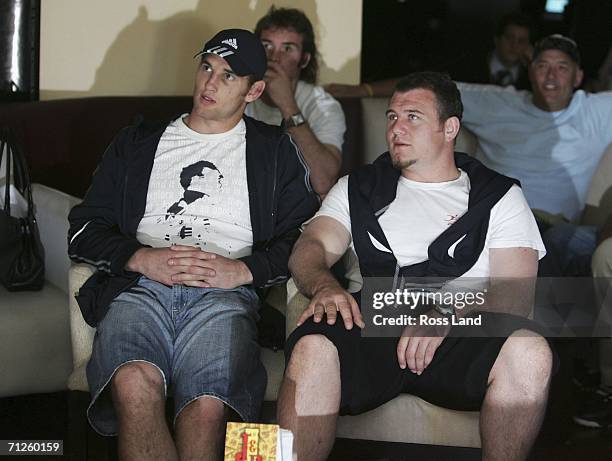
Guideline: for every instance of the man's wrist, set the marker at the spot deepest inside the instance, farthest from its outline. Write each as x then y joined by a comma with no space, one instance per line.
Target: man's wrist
133,264
287,110
246,276
294,121
324,285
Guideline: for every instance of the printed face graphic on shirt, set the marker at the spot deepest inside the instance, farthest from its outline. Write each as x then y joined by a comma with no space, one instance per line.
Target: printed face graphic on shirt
201,179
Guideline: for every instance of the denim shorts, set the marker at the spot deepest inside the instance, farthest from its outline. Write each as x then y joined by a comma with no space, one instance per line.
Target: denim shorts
202,340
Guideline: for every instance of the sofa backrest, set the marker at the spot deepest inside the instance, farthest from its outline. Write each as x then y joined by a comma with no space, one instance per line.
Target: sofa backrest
64,140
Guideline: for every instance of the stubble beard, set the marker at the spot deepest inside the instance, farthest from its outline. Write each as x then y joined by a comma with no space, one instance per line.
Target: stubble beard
401,165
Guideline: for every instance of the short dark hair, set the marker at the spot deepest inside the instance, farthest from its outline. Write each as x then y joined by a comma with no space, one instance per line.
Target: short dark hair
295,20
447,94
516,19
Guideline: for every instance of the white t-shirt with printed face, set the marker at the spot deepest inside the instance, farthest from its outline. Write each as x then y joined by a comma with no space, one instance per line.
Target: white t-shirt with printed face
323,113
198,193
422,211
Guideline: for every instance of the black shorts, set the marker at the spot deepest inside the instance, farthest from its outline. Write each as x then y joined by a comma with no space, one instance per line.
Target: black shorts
370,373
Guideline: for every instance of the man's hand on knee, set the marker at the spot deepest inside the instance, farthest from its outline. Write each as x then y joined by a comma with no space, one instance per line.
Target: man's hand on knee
330,300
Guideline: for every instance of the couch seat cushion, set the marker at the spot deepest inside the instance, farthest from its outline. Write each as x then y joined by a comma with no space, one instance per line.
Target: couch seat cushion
35,352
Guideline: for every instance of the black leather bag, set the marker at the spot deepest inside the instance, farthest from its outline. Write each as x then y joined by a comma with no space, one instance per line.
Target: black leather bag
22,259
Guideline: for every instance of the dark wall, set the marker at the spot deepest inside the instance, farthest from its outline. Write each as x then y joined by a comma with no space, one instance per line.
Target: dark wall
401,36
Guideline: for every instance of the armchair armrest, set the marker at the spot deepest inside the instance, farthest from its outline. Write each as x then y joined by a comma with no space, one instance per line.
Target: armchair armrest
51,208
82,335
296,303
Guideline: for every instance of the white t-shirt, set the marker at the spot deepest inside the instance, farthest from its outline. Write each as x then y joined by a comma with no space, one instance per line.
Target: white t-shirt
422,211
198,193
323,113
553,154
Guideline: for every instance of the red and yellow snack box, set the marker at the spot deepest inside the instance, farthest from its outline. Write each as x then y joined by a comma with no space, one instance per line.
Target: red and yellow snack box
251,442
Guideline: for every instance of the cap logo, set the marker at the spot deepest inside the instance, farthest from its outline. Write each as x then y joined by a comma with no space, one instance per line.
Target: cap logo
231,42
220,51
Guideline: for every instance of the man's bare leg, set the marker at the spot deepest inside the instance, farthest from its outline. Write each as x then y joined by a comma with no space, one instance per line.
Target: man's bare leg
515,402
200,430
309,397
138,396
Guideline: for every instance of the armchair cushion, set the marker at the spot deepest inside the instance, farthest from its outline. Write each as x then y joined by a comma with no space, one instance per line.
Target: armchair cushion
34,341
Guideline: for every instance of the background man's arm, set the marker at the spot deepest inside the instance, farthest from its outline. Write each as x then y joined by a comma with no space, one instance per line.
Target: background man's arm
324,160
322,244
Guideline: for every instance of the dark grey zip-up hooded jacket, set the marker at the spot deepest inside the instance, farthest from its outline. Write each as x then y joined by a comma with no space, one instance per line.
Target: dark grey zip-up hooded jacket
103,227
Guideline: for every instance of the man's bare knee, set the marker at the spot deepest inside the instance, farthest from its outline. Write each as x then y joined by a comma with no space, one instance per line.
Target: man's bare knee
207,410
137,381
524,366
313,353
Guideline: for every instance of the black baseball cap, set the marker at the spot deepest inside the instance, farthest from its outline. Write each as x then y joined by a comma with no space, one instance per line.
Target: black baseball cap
241,49
558,42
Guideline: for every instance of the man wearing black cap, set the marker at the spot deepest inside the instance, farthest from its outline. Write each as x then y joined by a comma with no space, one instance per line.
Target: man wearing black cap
183,222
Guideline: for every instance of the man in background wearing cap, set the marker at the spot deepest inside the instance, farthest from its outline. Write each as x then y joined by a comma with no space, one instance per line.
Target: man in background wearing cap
183,222
552,141
313,118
